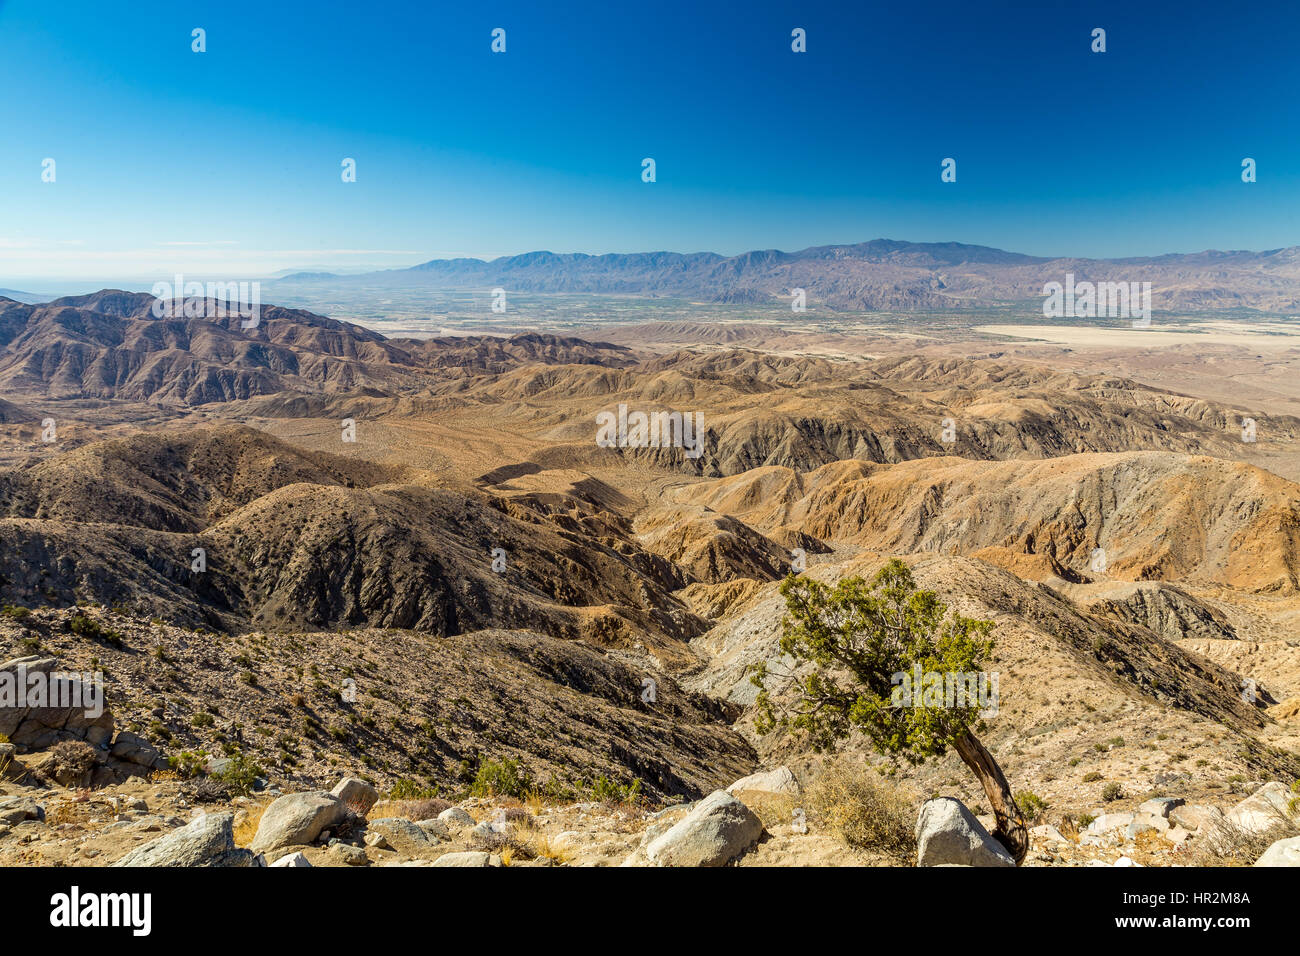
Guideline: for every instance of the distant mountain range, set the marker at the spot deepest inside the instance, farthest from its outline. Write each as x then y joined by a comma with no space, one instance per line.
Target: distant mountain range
883,274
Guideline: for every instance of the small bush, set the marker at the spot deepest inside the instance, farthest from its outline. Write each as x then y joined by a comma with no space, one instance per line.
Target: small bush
405,789
85,626
240,774
605,790
72,758
509,778
1091,776
865,813
1112,792
1031,805
1230,845
15,612
188,764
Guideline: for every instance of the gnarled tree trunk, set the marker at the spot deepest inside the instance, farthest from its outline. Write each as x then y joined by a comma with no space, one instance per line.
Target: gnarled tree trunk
1010,832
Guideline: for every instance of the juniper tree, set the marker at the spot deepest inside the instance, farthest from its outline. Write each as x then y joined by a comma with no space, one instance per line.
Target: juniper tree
851,644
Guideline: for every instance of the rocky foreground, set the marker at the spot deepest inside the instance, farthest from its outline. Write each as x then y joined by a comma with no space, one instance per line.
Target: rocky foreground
761,820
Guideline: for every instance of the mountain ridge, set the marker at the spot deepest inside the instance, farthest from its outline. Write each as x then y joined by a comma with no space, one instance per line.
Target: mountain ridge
876,275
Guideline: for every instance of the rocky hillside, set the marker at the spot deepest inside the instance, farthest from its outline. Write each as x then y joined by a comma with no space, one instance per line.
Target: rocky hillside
109,345
1156,515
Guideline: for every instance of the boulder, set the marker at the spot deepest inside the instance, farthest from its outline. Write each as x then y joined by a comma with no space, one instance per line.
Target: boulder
456,817
134,749
1262,810
467,858
780,780
1145,821
1160,806
14,810
1281,853
1110,821
398,833
293,859
947,832
1048,833
297,819
348,855
36,724
209,840
1195,817
356,793
715,832
435,830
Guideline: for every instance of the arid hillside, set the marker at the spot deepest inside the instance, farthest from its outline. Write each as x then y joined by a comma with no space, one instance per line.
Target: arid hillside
243,527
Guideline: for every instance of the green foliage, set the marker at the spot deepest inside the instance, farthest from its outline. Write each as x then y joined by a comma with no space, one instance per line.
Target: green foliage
405,789
188,764
1112,792
509,778
84,626
240,774
1031,805
870,632
604,789
15,612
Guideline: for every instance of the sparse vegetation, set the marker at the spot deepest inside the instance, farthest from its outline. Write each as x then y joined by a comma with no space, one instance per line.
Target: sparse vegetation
873,631
865,813
506,778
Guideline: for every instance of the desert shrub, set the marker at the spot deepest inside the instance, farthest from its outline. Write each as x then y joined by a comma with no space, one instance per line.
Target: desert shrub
1031,805
405,789
240,775
425,809
1091,776
187,764
1230,845
72,758
1112,792
864,812
85,626
605,790
15,612
507,778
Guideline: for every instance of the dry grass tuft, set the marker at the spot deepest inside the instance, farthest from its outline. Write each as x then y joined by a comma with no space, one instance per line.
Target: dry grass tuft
1227,844
864,811
246,821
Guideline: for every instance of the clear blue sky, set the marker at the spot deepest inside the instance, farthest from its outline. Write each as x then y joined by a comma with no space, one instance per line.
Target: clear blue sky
229,160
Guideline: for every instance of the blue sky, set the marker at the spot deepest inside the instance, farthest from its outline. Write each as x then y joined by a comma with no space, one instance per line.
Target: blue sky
229,161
